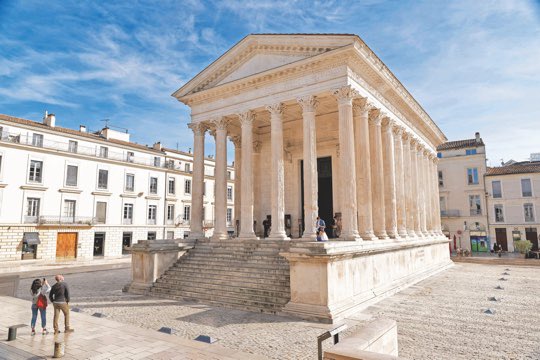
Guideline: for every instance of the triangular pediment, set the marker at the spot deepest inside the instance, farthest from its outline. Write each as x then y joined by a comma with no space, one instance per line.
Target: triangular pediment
259,53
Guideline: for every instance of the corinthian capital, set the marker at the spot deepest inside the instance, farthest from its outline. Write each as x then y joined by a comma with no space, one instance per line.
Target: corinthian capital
308,103
246,117
388,123
275,109
345,94
376,116
361,106
198,128
398,131
220,123
236,140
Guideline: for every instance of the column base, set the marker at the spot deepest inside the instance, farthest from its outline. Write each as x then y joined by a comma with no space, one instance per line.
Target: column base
369,236
195,235
220,236
354,236
278,236
248,236
403,234
382,235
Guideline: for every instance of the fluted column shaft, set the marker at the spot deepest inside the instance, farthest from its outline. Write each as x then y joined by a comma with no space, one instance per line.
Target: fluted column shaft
437,202
237,177
407,180
414,189
311,207
246,215
347,168
220,197
390,209
363,169
277,180
377,175
401,200
196,229
429,194
421,190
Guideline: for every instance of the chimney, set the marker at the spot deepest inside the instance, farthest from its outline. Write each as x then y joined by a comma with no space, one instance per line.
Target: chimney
82,128
477,135
49,120
189,151
157,146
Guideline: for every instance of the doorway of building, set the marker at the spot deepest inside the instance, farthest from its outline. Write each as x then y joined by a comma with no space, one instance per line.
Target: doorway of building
325,198
127,237
532,236
66,245
500,236
99,243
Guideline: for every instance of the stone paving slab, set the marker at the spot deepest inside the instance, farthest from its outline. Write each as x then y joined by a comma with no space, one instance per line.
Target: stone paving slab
100,338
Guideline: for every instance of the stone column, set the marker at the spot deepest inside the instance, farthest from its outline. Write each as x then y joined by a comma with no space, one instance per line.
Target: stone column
437,202
196,229
277,173
414,188
246,212
363,169
407,180
400,183
220,197
421,188
429,193
237,177
347,168
390,210
377,173
311,208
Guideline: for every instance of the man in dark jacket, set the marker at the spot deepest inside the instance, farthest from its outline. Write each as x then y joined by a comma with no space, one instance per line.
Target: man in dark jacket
59,297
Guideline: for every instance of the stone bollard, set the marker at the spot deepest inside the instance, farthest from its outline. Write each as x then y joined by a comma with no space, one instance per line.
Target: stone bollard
58,349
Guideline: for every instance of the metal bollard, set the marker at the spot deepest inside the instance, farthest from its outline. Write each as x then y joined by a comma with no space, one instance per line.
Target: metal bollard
58,349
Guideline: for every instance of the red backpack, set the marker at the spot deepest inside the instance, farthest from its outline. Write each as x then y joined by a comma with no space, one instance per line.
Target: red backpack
41,302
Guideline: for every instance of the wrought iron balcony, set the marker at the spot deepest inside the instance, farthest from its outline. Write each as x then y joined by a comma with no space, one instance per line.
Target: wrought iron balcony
450,213
476,212
67,220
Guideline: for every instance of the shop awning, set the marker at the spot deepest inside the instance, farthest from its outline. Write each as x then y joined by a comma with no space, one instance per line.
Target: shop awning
31,238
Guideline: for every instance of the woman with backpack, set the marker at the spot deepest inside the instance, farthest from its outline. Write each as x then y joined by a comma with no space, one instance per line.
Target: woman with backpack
39,291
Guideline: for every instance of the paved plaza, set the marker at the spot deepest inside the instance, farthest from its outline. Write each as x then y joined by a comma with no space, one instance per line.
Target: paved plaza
439,318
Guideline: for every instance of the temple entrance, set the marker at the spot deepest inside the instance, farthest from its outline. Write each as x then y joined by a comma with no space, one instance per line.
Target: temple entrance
324,196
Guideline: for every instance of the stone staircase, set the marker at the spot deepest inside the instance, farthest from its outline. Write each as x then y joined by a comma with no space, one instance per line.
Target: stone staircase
248,275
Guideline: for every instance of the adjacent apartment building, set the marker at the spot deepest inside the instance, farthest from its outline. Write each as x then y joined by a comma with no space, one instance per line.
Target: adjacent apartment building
68,193
513,203
462,168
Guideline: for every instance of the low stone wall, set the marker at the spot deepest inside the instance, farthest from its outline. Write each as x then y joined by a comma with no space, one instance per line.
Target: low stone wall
332,280
9,285
377,340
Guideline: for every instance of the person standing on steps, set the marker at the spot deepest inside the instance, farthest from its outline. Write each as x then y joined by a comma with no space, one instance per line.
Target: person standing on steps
59,296
39,291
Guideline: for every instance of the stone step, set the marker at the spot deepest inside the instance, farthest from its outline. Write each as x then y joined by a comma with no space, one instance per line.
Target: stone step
237,256
209,288
231,264
256,283
235,273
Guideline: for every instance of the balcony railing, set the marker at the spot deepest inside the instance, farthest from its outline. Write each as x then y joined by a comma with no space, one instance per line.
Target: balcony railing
450,213
30,219
66,220
476,212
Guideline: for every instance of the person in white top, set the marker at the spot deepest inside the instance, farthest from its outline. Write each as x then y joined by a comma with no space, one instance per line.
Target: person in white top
39,288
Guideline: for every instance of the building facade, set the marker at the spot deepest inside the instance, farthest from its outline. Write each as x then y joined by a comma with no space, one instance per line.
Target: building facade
513,203
77,194
461,174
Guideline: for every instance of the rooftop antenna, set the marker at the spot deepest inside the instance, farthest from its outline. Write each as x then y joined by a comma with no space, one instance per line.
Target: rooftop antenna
177,146
106,122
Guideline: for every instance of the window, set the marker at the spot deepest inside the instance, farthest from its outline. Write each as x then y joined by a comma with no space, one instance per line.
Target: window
497,189
441,180
442,203
526,189
72,147
157,161
170,212
37,140
101,212
475,205
170,235
126,241
170,164
71,175
229,215
529,213
153,185
172,186
128,214
151,235
499,216
103,152
187,186
99,243
187,167
32,212
152,210
439,155
130,156
103,179
69,208
472,176
204,189
36,171
470,152
130,182
229,175
187,212
229,192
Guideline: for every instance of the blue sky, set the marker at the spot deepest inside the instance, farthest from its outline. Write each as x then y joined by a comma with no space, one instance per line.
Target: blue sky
474,65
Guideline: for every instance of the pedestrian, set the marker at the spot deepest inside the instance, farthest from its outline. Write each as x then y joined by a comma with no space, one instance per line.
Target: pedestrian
39,291
267,223
319,224
59,296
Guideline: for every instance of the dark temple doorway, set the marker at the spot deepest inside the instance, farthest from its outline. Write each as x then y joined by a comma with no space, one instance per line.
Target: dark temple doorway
324,196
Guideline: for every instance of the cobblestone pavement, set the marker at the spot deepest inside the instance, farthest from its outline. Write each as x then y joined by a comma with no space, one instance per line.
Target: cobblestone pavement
439,318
